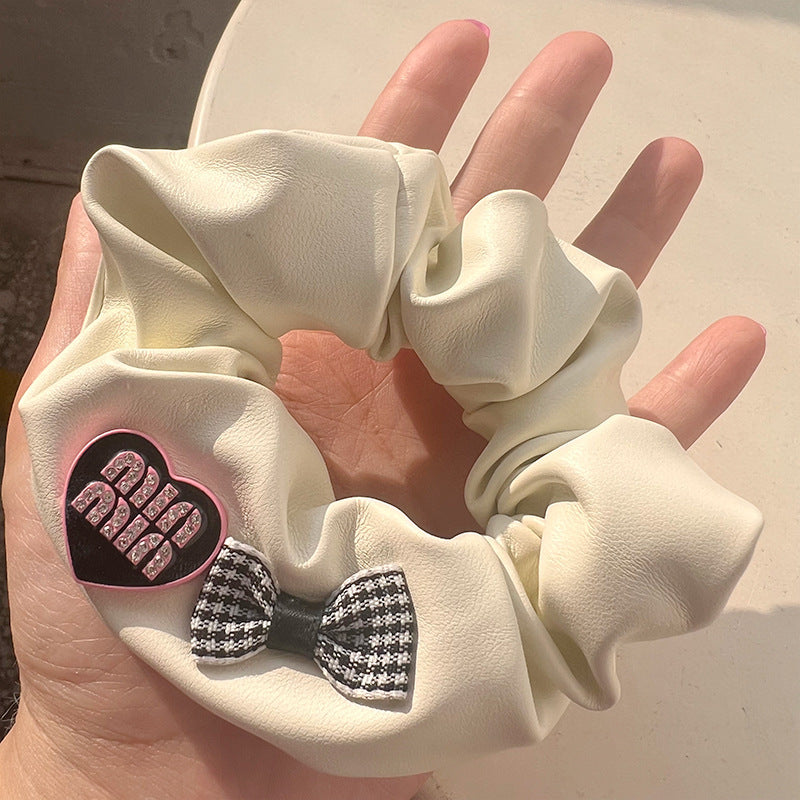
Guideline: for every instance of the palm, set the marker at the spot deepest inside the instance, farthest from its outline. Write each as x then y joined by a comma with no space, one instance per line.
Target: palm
385,430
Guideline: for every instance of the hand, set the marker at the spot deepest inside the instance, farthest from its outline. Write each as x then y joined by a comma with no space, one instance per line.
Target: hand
93,720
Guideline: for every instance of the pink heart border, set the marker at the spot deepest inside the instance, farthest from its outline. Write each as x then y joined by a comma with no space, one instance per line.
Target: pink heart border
220,508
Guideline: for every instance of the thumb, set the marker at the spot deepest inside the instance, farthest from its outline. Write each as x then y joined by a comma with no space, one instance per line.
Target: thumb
77,270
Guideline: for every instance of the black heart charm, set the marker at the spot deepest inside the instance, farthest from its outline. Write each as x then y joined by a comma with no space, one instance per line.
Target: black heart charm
130,523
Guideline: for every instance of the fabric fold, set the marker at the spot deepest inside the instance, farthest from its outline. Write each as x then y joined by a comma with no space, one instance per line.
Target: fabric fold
593,528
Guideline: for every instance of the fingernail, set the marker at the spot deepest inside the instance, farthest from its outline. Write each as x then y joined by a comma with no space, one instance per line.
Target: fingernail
482,25
762,328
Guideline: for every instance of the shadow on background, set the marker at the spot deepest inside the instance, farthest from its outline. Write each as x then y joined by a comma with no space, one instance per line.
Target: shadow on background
697,720
784,10
738,708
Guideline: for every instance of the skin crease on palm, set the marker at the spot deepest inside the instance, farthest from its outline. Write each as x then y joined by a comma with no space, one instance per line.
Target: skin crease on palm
94,721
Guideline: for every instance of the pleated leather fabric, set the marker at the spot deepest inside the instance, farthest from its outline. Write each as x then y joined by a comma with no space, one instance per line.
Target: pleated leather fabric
593,528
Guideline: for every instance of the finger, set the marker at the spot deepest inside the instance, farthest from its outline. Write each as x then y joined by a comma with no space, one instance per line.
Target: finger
703,380
423,98
637,220
77,269
528,137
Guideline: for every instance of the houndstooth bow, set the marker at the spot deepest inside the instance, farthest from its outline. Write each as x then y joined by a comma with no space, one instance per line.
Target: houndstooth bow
362,638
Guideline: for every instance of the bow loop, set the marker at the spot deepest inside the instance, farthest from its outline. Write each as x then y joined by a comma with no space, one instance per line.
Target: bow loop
233,615
366,636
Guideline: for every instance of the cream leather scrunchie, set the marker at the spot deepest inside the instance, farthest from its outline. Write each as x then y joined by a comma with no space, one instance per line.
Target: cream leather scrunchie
599,528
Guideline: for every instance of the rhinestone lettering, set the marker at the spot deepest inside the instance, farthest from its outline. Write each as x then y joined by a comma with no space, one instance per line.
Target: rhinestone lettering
147,489
172,515
117,522
144,546
164,498
130,534
121,491
128,461
189,530
159,562
96,490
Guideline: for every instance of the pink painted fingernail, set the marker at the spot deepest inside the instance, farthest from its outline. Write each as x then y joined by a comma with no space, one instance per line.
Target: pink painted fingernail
482,25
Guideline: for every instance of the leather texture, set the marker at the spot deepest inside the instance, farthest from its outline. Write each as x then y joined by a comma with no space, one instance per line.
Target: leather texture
594,528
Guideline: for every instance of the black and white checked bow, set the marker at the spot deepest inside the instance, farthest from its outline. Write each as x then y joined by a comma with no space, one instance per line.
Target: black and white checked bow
362,638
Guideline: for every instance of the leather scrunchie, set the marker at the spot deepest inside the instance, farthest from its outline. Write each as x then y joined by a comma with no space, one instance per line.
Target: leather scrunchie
156,433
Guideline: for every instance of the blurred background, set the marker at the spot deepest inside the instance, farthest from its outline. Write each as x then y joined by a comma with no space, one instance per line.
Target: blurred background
713,715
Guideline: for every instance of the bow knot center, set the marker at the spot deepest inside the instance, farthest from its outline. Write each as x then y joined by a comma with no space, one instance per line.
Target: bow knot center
295,624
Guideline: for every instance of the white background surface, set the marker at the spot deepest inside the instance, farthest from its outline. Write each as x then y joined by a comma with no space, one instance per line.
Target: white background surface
716,714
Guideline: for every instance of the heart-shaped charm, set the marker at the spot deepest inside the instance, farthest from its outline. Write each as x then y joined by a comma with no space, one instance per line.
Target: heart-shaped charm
130,523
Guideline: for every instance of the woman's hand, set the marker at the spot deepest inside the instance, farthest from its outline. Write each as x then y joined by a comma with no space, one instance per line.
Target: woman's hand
94,721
